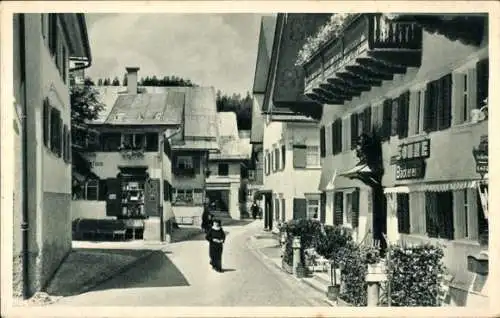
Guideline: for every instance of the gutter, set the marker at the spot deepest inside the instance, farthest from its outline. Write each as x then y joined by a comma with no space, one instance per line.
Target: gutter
25,213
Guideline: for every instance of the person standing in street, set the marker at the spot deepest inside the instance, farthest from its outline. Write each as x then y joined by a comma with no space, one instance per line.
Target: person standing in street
255,210
206,217
216,238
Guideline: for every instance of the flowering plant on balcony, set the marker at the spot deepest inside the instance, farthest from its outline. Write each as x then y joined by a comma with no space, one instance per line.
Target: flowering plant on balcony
327,32
130,152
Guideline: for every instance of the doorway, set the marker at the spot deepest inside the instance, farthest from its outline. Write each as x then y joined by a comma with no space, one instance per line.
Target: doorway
268,210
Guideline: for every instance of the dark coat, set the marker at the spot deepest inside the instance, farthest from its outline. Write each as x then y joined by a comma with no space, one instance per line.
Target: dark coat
206,220
216,240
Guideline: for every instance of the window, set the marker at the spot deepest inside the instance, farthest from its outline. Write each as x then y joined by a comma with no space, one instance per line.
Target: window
223,169
367,124
403,212
110,141
198,196
166,190
53,33
346,138
185,162
470,222
417,212
438,104
65,147
386,119
299,156
439,214
132,141
283,157
338,211
312,156
183,196
312,208
46,122
92,190
55,132
322,143
152,142
277,160
283,210
376,115
348,208
403,114
416,119
482,80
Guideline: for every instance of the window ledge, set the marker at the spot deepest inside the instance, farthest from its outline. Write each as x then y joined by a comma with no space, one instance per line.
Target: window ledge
468,242
466,125
308,168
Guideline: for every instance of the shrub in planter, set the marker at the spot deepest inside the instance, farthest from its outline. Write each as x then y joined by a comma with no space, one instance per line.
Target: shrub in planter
415,274
353,263
307,229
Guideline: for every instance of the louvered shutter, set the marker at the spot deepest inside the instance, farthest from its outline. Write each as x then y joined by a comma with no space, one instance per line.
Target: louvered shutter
339,135
283,210
367,120
354,130
299,156
444,212
113,197
430,110
355,208
334,138
322,144
386,119
299,208
338,217
403,212
482,71
322,210
152,197
445,88
277,209
404,109
395,117
283,156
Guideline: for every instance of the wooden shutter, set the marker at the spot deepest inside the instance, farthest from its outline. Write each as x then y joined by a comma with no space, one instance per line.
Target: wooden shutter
283,210
46,122
299,208
277,209
334,137
322,208
445,84
103,190
386,119
403,212
152,197
482,222
338,216
394,116
445,214
339,135
404,110
113,197
299,156
354,130
196,164
355,208
430,108
482,70
367,120
431,221
283,156
322,141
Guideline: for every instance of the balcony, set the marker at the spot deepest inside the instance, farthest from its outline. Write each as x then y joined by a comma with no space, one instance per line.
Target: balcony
369,50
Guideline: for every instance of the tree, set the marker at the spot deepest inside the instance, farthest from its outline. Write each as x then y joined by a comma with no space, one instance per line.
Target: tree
242,107
99,82
116,81
106,82
125,80
85,104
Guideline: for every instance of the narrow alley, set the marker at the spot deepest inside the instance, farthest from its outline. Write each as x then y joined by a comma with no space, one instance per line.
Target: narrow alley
182,276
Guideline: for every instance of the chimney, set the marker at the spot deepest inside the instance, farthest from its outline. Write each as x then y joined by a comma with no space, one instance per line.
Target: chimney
132,80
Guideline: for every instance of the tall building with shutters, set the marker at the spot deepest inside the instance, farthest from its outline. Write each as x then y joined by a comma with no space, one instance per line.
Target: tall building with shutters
43,47
286,144
420,84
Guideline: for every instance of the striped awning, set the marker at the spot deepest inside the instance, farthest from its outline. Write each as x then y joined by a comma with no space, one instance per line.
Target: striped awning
434,187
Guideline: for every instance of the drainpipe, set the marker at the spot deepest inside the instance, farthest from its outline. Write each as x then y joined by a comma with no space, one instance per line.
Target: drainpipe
25,214
162,220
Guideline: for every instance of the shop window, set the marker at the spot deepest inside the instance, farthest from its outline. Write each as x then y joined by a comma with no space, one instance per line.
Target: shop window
482,221
403,212
439,214
183,196
223,169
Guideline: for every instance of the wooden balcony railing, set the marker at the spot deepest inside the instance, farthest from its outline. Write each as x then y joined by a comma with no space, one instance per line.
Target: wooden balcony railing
370,49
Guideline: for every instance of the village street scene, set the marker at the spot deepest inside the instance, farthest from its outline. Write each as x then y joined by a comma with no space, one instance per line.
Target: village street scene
279,159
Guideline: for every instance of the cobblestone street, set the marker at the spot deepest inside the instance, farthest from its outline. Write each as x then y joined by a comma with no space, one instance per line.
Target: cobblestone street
181,276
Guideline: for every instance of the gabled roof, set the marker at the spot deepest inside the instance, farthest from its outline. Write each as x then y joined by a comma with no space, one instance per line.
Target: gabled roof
264,50
257,132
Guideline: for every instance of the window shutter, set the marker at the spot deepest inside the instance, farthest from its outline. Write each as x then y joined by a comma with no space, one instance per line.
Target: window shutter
103,190
354,130
367,120
283,210
445,214
386,119
482,222
355,208
299,208
404,109
276,159
322,208
283,156
65,143
277,209
322,143
338,217
113,197
152,197
431,222
445,88
403,212
196,164
339,135
46,122
299,156
334,138
430,113
482,70
395,119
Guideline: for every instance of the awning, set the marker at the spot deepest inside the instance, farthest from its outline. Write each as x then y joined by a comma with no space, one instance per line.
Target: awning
331,184
401,189
328,173
356,170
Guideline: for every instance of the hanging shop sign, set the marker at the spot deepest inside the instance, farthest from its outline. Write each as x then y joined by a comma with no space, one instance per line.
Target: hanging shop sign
414,169
481,156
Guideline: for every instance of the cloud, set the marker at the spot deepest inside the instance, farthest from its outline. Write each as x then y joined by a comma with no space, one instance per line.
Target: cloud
210,49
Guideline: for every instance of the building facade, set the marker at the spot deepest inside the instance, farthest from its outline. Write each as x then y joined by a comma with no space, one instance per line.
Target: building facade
228,168
417,90
43,46
287,148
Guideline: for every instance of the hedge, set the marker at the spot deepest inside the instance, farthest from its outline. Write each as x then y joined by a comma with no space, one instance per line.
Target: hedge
308,230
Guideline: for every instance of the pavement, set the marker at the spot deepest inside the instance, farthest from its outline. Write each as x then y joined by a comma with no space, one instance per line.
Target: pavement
179,274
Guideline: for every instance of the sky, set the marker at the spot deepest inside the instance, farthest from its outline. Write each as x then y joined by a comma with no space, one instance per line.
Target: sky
218,50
